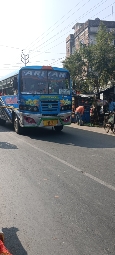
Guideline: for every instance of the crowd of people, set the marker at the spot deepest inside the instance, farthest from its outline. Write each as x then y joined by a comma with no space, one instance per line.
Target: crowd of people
97,111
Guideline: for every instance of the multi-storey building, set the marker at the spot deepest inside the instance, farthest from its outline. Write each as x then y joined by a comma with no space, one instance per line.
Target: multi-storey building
85,33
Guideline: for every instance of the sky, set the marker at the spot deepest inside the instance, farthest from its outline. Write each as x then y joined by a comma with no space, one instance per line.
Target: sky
40,29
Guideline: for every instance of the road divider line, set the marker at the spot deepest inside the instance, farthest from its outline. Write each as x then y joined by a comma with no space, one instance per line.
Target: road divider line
70,165
99,181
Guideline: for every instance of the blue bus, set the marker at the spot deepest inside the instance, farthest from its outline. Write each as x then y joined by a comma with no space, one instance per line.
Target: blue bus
36,96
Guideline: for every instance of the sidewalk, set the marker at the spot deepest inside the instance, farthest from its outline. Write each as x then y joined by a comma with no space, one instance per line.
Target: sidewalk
92,129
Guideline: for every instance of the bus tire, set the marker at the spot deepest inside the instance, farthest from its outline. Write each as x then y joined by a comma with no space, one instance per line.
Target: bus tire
17,127
58,128
2,122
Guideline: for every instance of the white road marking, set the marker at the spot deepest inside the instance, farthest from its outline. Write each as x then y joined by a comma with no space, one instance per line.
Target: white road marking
71,166
99,181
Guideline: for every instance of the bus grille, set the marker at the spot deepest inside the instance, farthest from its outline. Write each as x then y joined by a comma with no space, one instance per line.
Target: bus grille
49,106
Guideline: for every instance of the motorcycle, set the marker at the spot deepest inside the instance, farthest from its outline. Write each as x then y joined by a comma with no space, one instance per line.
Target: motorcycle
109,122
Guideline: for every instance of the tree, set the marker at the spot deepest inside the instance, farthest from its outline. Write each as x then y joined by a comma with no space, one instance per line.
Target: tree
87,53
104,63
75,64
93,66
100,58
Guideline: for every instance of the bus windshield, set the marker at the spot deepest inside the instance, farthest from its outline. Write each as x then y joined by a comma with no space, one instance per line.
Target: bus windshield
44,82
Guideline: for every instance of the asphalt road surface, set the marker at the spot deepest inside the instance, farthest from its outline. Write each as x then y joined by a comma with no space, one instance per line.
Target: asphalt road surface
57,192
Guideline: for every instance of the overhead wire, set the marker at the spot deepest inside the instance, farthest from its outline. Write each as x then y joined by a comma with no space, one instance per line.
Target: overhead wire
16,48
70,30
12,47
95,6
61,24
54,25
67,27
103,18
57,44
103,1
51,63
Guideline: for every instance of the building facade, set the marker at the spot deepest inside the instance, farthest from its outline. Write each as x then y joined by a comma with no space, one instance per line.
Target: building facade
85,33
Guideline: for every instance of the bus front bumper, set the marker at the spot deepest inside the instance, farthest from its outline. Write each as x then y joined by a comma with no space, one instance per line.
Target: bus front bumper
39,120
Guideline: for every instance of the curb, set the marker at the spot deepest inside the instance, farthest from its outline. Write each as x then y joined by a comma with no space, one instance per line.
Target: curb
99,130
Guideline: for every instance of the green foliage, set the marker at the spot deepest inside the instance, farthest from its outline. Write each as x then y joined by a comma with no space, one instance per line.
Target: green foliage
75,64
94,65
104,55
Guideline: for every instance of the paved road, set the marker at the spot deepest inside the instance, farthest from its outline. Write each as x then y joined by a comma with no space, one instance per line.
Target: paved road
57,192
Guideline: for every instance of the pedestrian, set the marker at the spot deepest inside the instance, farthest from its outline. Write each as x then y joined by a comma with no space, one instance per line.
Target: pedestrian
79,113
111,105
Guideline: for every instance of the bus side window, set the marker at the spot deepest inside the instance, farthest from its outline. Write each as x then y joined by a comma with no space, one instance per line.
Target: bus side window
15,83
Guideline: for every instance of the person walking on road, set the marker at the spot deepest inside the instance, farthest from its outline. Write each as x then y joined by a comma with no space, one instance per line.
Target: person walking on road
79,112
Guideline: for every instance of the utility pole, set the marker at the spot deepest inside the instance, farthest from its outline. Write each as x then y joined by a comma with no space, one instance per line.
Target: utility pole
24,58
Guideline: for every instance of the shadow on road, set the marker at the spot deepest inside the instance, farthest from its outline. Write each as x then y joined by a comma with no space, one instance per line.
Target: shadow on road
12,241
6,146
69,136
8,127
73,136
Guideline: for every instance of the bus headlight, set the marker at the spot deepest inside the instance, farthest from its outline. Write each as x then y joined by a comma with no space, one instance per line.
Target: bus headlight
66,108
70,107
28,108
35,109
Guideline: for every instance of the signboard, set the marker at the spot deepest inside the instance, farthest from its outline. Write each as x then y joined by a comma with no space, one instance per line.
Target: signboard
52,75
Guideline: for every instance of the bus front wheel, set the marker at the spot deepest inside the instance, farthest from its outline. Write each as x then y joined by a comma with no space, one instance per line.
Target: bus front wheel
17,127
58,128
